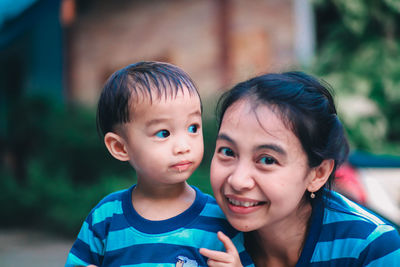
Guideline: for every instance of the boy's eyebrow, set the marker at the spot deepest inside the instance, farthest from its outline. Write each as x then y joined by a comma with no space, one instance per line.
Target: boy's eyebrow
161,120
273,147
195,113
155,121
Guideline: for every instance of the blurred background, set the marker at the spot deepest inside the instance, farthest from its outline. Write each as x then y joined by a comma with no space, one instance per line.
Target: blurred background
55,55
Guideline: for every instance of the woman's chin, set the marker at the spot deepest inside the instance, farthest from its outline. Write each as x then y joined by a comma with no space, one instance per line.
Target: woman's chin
242,226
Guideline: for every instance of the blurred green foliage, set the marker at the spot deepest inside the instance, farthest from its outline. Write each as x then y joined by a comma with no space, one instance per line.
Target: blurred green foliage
55,167
359,55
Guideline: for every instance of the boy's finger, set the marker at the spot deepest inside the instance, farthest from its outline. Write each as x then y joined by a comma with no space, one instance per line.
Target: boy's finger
229,246
213,263
215,255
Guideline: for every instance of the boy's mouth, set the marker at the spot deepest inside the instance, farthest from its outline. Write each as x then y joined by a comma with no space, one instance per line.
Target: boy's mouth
182,166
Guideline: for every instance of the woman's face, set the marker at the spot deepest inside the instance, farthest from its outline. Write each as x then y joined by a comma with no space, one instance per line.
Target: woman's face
259,172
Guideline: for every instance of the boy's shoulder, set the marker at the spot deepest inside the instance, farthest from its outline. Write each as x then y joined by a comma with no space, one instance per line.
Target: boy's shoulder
212,218
210,199
211,208
109,205
112,197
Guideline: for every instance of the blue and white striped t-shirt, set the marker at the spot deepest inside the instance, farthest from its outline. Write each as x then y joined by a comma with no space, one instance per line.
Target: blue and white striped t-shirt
342,234
114,234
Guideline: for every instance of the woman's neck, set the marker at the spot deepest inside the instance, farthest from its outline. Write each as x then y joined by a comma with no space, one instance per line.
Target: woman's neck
280,244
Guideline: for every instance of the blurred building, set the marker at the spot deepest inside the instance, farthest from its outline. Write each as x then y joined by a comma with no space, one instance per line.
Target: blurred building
68,48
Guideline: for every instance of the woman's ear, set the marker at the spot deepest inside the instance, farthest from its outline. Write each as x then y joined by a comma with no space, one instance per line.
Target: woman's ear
320,175
116,146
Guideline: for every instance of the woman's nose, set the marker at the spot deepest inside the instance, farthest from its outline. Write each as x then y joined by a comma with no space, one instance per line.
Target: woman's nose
241,178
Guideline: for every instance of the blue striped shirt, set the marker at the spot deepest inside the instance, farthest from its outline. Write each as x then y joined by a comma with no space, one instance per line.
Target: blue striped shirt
342,233
114,234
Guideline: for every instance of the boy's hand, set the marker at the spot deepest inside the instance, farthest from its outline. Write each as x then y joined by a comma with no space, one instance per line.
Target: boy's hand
219,258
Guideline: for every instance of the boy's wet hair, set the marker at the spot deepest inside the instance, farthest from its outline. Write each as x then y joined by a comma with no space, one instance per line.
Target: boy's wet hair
143,80
305,105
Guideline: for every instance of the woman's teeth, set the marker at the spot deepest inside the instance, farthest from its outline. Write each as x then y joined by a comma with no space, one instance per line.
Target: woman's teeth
242,203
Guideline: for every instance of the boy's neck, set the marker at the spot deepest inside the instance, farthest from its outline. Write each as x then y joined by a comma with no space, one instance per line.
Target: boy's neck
162,202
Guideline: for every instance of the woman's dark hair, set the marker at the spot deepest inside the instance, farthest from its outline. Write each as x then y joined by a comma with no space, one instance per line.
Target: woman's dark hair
306,107
146,79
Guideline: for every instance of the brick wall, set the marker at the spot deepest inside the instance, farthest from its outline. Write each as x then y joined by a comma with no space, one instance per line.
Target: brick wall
107,37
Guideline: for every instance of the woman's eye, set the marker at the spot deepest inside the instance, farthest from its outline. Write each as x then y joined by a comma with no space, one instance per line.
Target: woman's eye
162,134
193,128
267,160
226,152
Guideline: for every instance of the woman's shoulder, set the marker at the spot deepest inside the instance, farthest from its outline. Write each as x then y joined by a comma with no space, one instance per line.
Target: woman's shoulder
354,233
341,210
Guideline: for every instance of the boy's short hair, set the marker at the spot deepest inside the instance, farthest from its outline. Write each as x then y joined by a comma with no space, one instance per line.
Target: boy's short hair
150,79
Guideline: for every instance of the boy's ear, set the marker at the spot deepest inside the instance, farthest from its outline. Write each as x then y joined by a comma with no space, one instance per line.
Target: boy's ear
116,146
320,175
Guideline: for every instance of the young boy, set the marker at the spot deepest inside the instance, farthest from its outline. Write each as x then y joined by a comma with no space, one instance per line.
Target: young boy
150,116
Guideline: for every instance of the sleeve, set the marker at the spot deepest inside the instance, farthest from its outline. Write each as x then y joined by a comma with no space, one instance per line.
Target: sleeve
245,258
88,247
383,249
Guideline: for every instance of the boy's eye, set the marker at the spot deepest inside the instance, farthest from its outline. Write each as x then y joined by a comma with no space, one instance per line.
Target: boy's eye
226,152
193,128
162,134
267,160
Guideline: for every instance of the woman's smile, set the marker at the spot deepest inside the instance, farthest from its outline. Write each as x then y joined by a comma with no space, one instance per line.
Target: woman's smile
242,205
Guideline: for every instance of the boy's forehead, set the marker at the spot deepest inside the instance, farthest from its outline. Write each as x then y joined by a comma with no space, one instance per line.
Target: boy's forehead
186,101
163,93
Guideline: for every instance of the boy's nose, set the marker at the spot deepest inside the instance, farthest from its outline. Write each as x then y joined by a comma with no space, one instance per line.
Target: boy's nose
181,146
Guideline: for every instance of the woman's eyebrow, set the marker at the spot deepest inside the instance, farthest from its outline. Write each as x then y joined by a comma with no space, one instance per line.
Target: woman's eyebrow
273,147
225,137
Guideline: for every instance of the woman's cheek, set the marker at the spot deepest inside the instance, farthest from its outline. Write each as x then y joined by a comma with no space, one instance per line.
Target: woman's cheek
216,176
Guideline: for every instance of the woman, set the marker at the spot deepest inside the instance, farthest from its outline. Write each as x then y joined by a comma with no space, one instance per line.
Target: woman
278,146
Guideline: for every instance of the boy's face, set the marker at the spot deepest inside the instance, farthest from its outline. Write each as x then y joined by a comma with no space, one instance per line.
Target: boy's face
164,139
